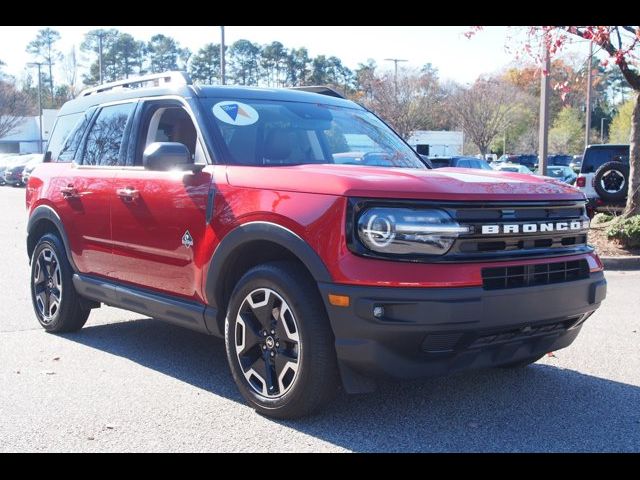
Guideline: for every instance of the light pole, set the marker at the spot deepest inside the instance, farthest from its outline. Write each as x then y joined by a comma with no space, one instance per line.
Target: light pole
543,139
222,77
588,107
39,65
395,75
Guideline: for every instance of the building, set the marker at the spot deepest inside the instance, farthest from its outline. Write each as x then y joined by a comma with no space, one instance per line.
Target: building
25,138
436,143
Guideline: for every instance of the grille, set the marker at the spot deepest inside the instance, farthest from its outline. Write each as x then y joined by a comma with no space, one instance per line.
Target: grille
518,276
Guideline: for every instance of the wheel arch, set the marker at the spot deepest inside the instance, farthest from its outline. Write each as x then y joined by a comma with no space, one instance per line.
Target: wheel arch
249,245
42,220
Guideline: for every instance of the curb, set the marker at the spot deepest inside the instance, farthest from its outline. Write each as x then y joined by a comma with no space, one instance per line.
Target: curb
629,262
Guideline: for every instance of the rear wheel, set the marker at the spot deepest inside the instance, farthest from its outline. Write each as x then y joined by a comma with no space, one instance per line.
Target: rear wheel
279,343
55,301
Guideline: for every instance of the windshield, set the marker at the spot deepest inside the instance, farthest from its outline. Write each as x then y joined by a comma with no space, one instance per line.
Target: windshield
272,133
595,157
562,160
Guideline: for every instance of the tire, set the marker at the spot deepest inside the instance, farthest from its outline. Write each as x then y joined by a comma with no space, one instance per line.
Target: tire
284,363
611,181
522,363
55,301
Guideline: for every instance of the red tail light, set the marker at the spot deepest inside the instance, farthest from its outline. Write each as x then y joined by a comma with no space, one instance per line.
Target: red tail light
581,182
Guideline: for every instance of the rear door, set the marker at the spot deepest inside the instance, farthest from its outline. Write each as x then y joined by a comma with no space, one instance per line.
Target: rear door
159,219
594,157
82,190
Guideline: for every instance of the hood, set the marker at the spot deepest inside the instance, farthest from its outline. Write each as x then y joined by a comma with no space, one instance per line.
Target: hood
377,182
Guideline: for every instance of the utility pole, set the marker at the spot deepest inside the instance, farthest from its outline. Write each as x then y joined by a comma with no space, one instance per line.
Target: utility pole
223,80
395,75
543,139
39,65
100,35
588,108
504,143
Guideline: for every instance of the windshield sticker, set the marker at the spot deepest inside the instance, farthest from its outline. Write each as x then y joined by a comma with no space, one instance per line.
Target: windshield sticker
235,113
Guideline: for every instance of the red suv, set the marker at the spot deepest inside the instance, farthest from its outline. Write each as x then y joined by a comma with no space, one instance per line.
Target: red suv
306,232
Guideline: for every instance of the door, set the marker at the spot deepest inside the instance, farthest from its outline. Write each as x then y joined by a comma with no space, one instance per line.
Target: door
86,186
159,219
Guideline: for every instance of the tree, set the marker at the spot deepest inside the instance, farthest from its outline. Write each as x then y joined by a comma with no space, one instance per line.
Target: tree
484,110
298,66
205,64
70,66
273,60
91,43
567,133
412,107
622,44
163,53
43,50
14,105
243,62
620,130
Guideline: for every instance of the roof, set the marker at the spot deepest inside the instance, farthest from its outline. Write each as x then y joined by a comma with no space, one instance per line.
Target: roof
178,83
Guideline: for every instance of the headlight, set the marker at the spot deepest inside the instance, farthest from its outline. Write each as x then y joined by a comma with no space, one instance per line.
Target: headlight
408,231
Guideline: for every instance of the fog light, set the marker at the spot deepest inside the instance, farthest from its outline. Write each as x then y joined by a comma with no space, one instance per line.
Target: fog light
378,312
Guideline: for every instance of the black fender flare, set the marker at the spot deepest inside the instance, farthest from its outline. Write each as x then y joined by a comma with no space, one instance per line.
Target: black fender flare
256,231
45,212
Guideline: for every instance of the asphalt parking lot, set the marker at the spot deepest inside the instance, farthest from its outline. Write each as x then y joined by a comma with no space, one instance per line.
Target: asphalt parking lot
126,383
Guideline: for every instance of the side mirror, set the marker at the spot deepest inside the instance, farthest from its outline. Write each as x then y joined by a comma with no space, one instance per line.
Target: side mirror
164,156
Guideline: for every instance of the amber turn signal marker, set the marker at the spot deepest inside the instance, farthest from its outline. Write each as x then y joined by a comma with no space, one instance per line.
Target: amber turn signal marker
338,300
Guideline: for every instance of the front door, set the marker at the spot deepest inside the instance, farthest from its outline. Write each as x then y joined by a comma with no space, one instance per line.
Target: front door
159,219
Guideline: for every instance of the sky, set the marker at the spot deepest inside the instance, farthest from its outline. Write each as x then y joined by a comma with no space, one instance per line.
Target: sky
456,57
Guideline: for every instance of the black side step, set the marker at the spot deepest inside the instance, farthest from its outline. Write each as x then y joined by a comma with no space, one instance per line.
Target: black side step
181,312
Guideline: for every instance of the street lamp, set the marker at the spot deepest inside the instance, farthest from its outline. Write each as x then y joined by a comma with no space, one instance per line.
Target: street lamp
222,78
395,75
39,65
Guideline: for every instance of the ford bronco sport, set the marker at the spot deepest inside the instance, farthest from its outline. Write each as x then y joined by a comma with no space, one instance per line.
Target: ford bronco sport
303,230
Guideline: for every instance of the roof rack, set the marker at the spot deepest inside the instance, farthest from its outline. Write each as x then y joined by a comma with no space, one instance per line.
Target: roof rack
321,89
178,78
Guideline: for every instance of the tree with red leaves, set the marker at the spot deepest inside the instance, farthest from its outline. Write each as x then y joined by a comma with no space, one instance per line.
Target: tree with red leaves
622,44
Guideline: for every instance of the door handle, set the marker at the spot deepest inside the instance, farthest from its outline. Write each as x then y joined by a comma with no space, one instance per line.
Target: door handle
69,191
128,194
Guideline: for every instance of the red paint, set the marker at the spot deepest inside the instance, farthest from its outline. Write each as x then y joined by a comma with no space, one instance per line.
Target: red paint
140,241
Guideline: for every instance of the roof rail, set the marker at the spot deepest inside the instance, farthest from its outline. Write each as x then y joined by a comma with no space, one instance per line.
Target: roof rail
321,89
178,78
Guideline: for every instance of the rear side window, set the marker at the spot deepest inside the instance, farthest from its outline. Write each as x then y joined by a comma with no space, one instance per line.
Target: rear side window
595,157
464,163
105,144
61,144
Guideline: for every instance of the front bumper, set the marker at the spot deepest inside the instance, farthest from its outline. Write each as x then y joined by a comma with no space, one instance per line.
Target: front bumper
434,331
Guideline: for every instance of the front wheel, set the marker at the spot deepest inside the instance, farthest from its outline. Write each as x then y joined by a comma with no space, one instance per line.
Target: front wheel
279,343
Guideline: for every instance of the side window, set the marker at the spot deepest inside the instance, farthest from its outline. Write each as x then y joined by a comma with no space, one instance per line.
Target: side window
463,163
61,144
168,122
104,144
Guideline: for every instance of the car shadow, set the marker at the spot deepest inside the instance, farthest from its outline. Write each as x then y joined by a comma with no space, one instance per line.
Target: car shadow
539,408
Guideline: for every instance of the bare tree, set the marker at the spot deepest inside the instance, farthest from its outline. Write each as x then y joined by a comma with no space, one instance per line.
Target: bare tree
14,105
484,110
411,107
70,66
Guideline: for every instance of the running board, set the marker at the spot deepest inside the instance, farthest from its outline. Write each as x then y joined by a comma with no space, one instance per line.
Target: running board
185,313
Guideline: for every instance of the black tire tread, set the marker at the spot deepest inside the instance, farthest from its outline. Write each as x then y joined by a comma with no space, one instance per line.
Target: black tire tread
302,295
72,315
